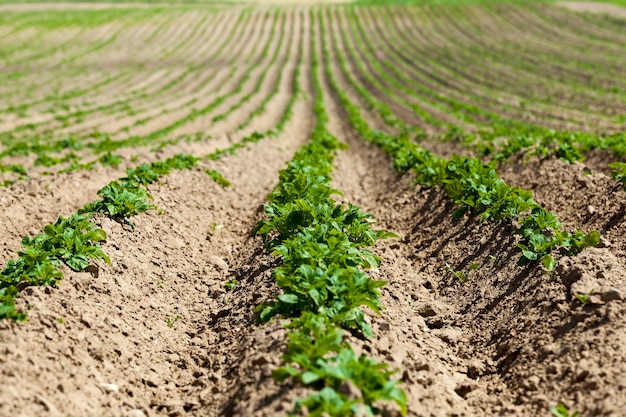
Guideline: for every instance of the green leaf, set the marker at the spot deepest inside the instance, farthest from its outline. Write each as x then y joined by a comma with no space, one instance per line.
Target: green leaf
549,263
288,298
284,372
309,377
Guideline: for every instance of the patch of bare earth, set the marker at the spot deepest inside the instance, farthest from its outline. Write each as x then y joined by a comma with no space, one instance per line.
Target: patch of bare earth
595,7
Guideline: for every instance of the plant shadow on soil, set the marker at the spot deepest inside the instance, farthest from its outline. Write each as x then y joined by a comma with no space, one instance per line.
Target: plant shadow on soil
536,344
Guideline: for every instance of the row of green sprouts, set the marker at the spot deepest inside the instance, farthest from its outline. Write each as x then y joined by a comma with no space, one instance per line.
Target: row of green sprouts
74,241
473,185
323,247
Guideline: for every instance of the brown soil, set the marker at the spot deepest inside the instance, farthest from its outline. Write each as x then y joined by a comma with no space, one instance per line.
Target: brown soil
594,7
157,333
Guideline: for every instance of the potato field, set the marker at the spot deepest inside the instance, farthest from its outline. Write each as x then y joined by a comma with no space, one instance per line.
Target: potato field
314,209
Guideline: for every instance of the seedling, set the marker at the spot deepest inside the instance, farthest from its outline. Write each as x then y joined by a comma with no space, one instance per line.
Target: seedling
231,285
171,321
549,263
159,283
218,178
618,171
562,411
110,159
583,298
462,275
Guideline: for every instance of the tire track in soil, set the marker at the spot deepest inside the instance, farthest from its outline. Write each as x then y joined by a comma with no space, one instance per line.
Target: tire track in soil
115,328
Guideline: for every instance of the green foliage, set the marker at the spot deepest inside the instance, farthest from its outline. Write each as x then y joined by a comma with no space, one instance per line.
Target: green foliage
171,322
618,171
110,159
320,358
217,177
474,186
231,285
72,241
583,298
127,197
120,200
561,410
323,249
461,275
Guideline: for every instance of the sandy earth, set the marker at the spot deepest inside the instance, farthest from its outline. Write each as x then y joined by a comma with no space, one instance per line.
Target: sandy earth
595,7
157,333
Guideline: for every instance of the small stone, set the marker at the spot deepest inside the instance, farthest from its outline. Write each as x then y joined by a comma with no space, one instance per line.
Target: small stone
218,263
591,209
136,413
110,387
427,309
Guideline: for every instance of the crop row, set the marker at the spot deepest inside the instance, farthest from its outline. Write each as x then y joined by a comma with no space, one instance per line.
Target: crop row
471,184
429,67
322,246
73,241
395,59
102,142
499,139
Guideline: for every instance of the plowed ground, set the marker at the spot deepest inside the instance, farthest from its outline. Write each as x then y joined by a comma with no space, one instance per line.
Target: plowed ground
157,333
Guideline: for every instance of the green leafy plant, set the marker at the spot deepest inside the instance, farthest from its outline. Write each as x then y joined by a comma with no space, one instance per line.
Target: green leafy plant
120,200
474,186
561,410
217,177
72,241
172,321
110,159
583,298
618,171
323,249
462,276
231,285
318,357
